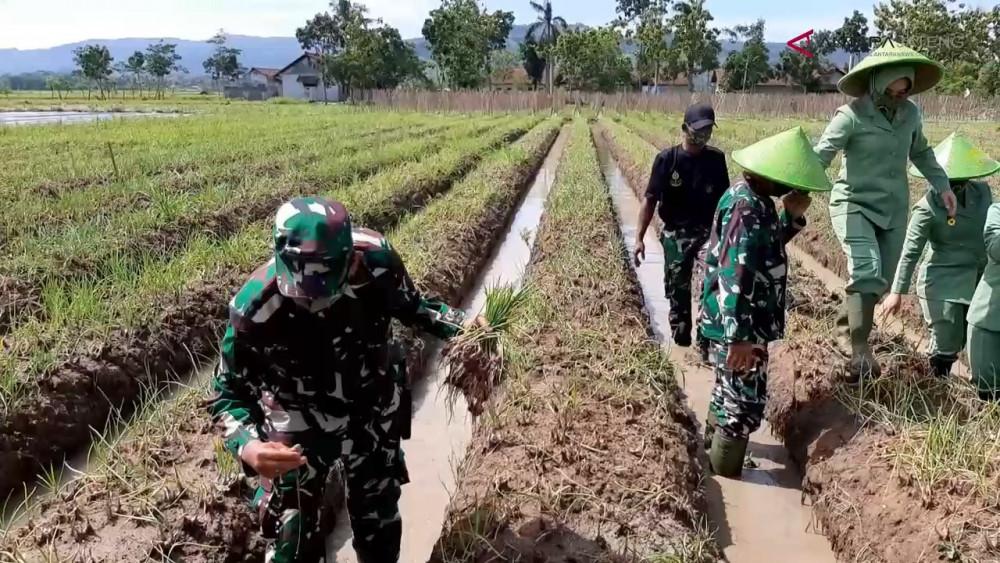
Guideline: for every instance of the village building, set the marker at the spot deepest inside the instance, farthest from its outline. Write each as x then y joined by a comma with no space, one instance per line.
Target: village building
301,79
266,77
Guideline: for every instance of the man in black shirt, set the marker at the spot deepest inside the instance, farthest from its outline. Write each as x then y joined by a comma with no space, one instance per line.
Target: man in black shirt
686,184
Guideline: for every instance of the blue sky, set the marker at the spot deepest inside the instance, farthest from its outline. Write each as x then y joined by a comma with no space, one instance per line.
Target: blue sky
30,24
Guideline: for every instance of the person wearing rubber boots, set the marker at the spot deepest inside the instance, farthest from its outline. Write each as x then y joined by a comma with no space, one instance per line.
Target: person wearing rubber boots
309,374
877,132
950,273
743,304
685,186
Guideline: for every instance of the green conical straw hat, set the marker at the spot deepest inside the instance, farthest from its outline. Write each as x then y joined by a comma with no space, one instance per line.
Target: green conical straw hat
961,159
786,158
927,73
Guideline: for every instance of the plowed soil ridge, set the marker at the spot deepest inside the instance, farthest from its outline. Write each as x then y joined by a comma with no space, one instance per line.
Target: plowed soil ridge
588,455
200,517
866,498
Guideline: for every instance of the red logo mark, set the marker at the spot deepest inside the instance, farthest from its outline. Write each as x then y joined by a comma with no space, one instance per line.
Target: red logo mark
800,50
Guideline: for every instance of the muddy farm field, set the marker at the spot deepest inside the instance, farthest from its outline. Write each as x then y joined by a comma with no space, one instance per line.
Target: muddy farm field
122,241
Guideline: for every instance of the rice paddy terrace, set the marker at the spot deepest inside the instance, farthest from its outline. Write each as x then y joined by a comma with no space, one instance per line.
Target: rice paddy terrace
121,242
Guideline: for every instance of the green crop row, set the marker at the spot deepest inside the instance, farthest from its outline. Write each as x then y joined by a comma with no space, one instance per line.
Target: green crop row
580,357
90,250
85,312
81,152
44,213
127,466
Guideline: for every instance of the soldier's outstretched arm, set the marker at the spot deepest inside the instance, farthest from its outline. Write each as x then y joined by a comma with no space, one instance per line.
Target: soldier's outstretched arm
738,265
236,391
413,309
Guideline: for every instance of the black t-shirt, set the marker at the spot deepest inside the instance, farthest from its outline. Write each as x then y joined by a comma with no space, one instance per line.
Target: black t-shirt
688,187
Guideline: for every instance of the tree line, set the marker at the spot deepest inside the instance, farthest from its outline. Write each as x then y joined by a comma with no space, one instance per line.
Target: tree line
142,71
672,38
470,48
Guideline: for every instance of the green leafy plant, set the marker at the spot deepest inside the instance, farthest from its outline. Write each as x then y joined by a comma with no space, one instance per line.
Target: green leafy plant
475,357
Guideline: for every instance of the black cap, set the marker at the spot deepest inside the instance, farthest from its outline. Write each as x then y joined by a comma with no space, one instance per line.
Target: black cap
699,116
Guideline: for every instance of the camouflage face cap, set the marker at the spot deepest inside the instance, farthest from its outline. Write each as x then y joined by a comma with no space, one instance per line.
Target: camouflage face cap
312,247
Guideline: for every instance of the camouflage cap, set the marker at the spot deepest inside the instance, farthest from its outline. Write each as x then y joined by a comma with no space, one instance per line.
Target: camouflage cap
312,247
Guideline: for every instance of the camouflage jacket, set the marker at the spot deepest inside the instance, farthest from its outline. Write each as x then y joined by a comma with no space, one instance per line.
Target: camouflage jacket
746,269
286,370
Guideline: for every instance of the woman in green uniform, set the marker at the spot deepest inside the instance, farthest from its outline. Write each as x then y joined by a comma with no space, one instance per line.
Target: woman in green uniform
984,311
949,275
878,132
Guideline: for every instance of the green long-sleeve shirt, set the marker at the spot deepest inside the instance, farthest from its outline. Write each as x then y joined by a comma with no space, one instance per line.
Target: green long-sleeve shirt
957,252
984,311
873,178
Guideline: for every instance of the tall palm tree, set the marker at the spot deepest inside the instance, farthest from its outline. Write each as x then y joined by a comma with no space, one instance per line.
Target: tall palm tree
545,32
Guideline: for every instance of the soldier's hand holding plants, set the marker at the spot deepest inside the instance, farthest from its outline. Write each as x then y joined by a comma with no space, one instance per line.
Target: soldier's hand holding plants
478,321
271,459
796,203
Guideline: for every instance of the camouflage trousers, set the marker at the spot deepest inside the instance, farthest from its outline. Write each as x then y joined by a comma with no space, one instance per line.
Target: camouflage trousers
683,248
291,508
739,398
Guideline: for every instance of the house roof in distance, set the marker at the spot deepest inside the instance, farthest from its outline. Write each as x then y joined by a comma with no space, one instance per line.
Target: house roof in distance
269,73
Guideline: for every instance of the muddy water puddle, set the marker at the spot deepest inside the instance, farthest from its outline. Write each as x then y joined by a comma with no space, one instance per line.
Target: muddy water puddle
759,518
441,433
68,117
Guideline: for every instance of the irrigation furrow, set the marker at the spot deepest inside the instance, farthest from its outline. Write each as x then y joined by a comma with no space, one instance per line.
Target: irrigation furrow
208,518
584,385
761,513
165,323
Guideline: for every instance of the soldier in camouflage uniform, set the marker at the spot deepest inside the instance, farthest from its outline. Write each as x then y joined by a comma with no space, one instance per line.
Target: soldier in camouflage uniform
743,304
685,185
308,376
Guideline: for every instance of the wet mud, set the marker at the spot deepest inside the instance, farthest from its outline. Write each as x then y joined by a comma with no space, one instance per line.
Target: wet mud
761,514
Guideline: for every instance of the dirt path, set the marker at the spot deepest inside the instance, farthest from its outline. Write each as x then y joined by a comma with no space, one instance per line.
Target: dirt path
442,433
761,515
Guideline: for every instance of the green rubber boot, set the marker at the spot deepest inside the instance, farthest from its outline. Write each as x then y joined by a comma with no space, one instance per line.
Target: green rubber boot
727,455
710,423
861,319
843,330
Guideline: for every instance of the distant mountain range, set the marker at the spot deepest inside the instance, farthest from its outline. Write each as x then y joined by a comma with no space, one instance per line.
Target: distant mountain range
273,52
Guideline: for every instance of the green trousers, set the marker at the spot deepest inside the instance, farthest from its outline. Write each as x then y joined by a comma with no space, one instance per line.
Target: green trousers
872,252
948,328
984,357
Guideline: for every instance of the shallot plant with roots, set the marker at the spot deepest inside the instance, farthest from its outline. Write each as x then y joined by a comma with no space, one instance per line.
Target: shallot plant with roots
475,357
